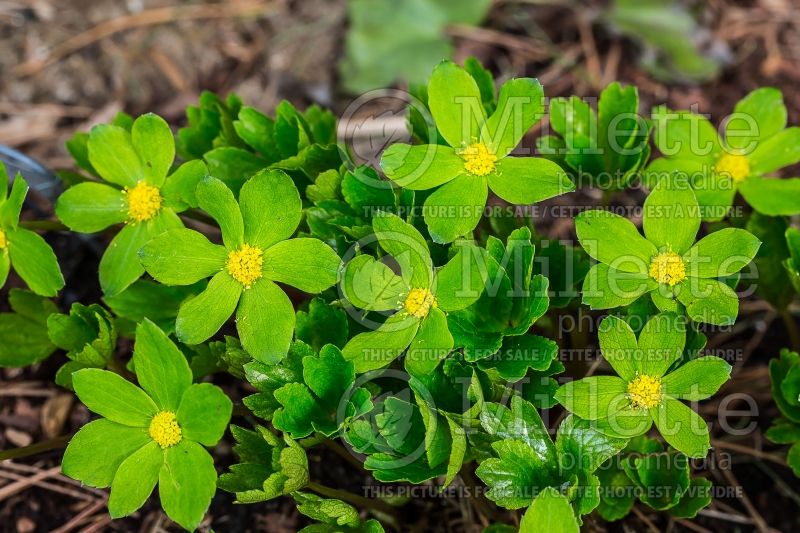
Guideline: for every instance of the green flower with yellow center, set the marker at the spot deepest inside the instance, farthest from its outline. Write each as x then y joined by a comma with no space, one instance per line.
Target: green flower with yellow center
148,436
256,254
476,157
24,250
755,145
651,384
666,263
420,298
140,193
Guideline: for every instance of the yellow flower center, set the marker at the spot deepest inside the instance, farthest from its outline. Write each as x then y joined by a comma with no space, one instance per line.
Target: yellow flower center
144,201
735,166
645,391
478,160
3,240
418,303
246,265
164,429
668,267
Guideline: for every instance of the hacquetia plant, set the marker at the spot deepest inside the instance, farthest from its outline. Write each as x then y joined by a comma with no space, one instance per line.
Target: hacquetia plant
394,320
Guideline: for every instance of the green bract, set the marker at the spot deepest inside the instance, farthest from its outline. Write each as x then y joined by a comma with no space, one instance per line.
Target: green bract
257,252
140,194
150,435
648,388
756,143
421,296
667,263
476,159
29,254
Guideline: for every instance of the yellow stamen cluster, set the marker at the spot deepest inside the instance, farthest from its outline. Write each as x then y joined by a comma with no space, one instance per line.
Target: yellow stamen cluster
246,265
478,160
644,391
3,240
735,166
164,429
669,268
418,303
144,202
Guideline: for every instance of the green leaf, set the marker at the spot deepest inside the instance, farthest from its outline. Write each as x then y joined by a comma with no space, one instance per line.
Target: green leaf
182,257
298,411
594,397
216,199
664,477
455,103
147,299
698,379
24,332
709,301
697,497
328,511
96,451
376,349
204,413
180,188
35,262
322,324
460,282
233,166
614,240
671,216
421,167
772,196
119,266
271,208
431,344
307,264
161,368
153,141
721,253
371,285
518,354
661,343
682,134
528,180
187,483
582,448
779,369
407,246
783,431
257,130
780,150
135,480
454,209
522,421
549,512
203,315
265,321
618,344
519,106
10,208
605,287
681,427
112,154
756,117
113,397
515,475
89,207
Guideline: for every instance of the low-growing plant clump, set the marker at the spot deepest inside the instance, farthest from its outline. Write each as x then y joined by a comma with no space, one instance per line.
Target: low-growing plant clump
409,322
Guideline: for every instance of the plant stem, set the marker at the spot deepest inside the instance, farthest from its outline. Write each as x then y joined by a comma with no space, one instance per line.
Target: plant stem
342,452
353,499
43,225
44,446
791,328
